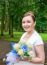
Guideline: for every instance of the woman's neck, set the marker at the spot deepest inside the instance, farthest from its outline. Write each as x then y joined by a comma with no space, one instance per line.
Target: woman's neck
31,32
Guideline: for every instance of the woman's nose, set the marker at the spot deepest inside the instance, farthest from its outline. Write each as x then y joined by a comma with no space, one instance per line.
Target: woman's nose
25,24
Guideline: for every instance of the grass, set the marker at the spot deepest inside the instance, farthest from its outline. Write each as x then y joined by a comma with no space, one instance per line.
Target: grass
17,36
44,36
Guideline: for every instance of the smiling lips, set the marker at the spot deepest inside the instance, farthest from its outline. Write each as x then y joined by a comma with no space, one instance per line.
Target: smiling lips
26,27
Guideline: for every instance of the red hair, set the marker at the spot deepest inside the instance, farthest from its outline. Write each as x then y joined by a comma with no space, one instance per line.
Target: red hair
30,13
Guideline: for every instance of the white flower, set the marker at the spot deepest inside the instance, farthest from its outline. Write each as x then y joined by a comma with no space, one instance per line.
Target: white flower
20,52
4,59
16,46
31,53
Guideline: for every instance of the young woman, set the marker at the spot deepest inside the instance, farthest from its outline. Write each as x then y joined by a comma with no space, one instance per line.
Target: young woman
33,39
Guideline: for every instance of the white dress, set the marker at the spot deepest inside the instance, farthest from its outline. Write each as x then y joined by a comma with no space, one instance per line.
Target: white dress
34,40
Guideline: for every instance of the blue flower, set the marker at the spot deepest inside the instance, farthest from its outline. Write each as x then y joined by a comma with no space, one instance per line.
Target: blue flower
15,53
24,47
11,45
7,62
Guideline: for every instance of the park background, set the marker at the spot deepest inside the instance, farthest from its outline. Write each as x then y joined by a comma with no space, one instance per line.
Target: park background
11,13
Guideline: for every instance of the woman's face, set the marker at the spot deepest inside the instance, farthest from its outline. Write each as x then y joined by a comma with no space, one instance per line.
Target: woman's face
28,23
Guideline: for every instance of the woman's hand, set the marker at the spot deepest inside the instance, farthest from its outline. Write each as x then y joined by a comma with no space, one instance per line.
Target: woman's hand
18,59
24,59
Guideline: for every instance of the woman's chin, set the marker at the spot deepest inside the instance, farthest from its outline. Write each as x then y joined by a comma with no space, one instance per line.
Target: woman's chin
27,30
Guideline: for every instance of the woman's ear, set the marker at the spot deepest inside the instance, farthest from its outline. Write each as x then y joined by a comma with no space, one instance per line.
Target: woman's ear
35,23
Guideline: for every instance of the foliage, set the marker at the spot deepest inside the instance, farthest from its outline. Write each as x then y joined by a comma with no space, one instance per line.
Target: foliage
12,11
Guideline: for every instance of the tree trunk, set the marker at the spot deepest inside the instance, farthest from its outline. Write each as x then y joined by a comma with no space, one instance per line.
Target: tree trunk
2,26
11,27
6,15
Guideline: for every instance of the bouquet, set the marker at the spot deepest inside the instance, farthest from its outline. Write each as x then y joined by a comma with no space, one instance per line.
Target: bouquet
18,51
23,49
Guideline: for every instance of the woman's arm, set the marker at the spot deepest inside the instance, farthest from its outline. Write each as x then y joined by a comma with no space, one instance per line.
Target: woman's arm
40,58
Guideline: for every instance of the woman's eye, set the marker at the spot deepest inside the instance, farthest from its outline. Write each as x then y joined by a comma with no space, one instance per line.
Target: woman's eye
23,22
28,21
